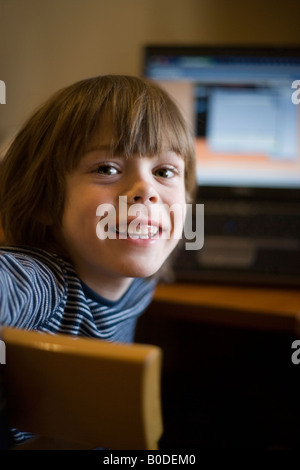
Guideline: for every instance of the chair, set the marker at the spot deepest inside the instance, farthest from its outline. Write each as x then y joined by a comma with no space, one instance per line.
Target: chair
82,393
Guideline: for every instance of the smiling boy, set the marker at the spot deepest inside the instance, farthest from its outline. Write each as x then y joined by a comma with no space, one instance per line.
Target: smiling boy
92,143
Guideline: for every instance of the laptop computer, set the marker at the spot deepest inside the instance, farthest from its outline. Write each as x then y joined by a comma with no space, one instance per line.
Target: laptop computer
244,106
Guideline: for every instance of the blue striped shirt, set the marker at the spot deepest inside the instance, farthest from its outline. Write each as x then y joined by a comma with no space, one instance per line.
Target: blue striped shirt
41,291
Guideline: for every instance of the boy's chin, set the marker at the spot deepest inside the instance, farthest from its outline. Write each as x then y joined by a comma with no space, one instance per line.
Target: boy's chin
143,271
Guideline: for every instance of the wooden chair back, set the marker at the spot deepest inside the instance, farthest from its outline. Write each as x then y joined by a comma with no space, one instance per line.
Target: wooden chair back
82,393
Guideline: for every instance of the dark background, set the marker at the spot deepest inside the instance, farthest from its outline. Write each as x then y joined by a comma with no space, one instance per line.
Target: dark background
223,387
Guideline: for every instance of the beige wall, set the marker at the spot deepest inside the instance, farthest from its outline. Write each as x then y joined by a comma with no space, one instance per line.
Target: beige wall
47,44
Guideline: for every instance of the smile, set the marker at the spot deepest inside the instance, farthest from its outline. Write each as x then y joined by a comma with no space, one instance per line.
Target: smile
143,232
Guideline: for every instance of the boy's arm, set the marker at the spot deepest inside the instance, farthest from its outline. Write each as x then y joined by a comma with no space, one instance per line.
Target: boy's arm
29,291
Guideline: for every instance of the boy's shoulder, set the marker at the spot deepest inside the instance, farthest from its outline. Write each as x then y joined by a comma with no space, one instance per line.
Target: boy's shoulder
34,258
34,284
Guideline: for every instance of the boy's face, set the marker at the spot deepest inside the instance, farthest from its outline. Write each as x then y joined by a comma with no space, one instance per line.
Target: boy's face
140,235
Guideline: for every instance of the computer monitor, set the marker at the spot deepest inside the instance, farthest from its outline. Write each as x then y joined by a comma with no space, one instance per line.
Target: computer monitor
244,106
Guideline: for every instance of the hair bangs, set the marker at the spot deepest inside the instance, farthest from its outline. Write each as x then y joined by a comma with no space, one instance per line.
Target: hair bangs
144,121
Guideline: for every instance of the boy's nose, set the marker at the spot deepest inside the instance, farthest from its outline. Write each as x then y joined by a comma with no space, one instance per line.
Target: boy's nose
142,192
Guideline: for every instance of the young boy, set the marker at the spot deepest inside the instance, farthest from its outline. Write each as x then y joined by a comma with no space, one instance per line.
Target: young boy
93,144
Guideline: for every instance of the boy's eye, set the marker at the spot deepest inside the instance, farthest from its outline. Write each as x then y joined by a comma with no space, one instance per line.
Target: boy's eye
107,170
165,172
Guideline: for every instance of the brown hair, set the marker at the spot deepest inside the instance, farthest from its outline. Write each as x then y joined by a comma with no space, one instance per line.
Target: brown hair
51,143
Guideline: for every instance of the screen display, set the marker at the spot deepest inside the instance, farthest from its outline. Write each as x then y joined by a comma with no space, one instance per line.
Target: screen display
244,107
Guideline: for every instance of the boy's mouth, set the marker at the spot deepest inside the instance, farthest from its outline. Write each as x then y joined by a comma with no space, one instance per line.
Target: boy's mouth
142,232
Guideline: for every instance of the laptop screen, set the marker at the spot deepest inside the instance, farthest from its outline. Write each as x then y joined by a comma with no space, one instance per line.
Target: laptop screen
244,106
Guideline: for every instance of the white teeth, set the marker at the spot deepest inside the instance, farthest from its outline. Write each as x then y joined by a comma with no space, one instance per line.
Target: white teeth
142,232
124,234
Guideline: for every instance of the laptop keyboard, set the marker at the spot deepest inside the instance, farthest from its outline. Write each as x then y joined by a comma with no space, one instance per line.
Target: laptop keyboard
244,241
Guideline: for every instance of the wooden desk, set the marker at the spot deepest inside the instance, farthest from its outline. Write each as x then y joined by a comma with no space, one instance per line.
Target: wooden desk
228,379
262,308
